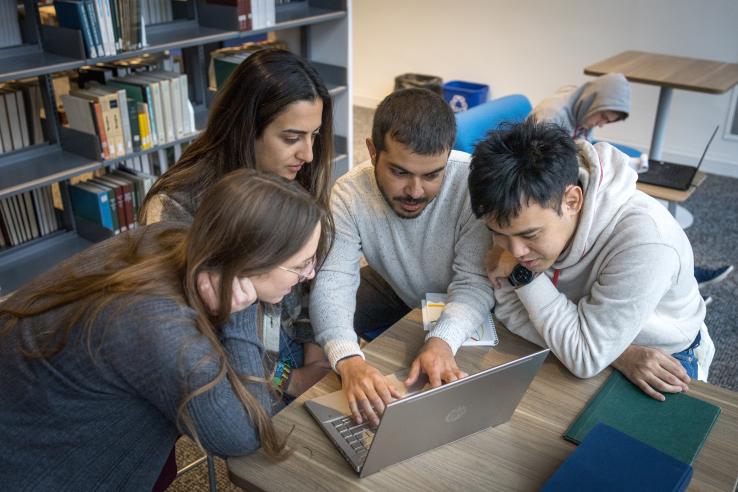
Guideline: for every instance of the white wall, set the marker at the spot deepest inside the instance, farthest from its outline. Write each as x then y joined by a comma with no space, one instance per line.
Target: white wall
533,47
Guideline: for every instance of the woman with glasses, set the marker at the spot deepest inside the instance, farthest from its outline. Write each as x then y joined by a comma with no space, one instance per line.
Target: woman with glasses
106,359
273,114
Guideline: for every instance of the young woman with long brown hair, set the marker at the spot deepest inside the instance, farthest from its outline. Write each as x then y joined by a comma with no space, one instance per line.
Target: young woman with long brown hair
273,114
109,357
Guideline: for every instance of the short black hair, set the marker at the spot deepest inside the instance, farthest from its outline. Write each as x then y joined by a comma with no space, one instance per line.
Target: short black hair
518,164
417,118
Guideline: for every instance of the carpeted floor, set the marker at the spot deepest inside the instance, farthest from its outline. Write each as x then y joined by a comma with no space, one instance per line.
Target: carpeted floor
714,236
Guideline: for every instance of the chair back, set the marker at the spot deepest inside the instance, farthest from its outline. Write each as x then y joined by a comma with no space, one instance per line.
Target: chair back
473,125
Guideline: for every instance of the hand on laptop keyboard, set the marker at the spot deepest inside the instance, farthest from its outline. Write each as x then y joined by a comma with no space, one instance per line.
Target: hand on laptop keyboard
366,389
437,361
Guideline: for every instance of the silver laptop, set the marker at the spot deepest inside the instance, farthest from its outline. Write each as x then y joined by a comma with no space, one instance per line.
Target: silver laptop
424,420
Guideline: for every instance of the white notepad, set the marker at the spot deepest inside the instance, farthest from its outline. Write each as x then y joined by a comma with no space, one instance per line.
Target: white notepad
432,307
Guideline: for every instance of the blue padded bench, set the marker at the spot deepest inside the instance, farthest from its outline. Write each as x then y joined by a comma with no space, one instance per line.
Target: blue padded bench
473,125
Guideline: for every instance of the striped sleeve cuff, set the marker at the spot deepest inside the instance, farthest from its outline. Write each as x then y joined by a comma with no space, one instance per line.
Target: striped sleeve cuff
446,332
336,350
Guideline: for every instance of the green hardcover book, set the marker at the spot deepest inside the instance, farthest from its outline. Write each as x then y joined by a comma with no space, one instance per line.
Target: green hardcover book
678,426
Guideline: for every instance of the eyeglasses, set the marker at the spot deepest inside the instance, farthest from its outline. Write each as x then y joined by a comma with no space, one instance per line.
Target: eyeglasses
304,273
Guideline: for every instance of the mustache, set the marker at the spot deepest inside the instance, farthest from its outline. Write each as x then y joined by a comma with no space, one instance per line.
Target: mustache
410,201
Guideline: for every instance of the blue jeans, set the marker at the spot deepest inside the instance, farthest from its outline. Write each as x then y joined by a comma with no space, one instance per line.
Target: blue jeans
687,358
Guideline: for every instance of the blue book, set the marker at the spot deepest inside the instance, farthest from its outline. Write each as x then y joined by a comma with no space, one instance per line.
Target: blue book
608,460
71,14
94,27
92,203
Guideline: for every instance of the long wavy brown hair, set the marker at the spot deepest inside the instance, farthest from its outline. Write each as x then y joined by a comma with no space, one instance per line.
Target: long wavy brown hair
234,233
257,91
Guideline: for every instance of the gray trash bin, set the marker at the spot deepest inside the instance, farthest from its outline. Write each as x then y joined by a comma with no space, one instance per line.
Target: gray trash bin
418,80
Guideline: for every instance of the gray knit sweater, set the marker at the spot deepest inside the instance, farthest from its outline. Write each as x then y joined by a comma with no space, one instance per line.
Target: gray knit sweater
442,250
103,416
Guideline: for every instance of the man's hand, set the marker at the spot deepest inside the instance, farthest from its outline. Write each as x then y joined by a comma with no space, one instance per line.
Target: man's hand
652,370
366,389
499,264
437,361
302,378
208,286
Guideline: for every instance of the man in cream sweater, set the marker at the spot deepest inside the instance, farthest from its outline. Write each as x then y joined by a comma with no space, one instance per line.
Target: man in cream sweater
589,265
408,213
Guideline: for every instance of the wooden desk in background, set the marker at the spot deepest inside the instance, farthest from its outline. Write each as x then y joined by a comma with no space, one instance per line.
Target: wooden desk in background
518,455
669,73
671,195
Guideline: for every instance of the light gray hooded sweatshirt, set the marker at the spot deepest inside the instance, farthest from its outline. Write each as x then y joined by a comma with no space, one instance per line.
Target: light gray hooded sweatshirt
570,106
626,277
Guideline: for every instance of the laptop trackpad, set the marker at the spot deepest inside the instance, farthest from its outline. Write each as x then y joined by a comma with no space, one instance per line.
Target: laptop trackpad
337,400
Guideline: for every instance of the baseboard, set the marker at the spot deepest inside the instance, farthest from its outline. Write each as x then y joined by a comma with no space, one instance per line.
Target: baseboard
366,102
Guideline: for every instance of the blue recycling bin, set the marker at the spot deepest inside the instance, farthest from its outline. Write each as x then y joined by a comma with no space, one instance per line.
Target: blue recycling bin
462,95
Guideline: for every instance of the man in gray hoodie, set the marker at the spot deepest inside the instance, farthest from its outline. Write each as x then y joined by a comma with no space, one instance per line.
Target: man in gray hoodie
593,104
592,268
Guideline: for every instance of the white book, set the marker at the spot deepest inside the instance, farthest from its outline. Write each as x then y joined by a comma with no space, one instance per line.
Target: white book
169,122
271,13
161,133
14,120
125,120
171,87
23,117
188,123
105,31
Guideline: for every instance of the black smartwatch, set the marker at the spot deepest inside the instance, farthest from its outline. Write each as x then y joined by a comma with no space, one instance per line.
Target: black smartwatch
521,276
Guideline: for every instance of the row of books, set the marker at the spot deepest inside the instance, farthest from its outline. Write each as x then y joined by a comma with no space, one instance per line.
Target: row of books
252,14
20,116
108,27
10,34
111,201
132,113
27,216
157,11
224,60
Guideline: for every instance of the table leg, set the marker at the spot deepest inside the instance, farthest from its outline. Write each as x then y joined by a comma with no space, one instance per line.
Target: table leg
659,126
683,216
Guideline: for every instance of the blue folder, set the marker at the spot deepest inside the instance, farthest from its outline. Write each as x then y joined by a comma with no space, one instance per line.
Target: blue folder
609,460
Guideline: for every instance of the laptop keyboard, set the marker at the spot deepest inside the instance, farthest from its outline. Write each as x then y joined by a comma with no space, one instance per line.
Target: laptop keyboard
358,436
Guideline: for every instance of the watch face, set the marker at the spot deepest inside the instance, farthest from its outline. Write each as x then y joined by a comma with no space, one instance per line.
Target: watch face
521,275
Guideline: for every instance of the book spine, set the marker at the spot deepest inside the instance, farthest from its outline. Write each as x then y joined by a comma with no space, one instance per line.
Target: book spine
101,132
134,125
94,28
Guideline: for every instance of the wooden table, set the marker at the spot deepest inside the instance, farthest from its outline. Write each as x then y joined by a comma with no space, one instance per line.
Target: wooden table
673,197
518,455
669,73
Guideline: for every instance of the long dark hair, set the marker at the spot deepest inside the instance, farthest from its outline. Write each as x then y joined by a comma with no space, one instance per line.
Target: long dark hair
257,91
234,233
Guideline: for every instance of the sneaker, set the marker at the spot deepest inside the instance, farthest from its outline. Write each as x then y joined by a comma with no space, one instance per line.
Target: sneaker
708,300
709,276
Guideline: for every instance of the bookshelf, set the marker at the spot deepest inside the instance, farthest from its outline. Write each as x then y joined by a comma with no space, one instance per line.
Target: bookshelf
319,30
